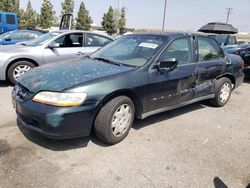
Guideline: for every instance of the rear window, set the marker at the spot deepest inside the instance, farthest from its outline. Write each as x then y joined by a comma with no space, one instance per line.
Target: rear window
10,19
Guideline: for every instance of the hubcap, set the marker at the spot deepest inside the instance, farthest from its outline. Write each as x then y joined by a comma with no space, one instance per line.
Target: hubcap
20,70
225,92
121,120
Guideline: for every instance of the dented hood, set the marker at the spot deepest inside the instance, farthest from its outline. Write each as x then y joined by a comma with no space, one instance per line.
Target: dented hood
61,76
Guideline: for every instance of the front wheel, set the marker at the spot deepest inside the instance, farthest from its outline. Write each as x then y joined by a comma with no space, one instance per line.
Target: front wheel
114,120
223,89
18,69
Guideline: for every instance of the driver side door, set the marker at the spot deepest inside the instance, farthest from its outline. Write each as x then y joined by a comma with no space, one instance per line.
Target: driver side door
172,87
70,47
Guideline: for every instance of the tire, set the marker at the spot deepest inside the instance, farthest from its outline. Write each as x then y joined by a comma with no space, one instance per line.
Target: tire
114,120
12,71
223,90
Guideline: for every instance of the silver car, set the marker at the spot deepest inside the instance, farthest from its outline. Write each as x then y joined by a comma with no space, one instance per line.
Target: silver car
52,47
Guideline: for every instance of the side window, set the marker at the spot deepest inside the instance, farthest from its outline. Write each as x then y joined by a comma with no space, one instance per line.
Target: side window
10,19
208,49
29,36
93,40
16,36
180,49
70,40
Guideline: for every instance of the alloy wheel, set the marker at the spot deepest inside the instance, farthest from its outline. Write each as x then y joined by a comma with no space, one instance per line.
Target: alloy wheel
121,120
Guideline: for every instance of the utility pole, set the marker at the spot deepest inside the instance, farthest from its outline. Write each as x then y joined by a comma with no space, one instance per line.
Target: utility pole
119,5
118,15
229,11
164,15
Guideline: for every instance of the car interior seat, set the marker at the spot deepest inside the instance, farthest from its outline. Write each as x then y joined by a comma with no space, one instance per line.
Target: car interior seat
67,41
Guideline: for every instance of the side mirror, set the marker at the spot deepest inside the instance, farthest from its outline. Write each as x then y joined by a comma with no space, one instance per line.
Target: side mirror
7,39
169,64
54,45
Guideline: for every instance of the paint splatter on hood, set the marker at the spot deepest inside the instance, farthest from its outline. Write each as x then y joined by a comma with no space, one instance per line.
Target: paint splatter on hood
64,75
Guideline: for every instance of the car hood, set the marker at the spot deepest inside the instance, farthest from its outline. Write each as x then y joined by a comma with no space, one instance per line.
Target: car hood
14,48
64,75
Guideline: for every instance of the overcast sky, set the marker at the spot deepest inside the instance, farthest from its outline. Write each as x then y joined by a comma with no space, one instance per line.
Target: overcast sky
181,14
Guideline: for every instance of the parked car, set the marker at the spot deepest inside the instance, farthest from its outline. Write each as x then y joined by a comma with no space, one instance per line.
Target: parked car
243,42
242,50
226,40
8,22
13,37
48,48
136,75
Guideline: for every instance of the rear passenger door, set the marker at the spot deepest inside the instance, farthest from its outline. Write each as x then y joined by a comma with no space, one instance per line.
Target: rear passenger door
211,64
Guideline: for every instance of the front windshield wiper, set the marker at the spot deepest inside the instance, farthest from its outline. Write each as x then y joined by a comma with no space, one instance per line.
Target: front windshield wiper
107,61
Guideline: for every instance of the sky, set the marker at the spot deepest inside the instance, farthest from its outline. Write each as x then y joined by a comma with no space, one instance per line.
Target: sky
180,14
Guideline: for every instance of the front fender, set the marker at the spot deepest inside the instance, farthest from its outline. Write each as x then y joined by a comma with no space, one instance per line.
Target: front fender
6,61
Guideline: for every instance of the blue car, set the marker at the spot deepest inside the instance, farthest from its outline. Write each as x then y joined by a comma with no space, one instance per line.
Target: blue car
13,37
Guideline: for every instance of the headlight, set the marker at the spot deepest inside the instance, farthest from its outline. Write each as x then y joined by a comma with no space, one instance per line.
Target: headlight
60,99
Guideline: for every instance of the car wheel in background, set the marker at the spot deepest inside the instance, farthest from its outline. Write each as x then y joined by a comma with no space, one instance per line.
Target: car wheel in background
223,89
114,120
18,69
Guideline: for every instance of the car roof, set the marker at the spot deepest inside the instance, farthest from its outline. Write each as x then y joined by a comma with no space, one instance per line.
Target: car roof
172,34
20,31
79,31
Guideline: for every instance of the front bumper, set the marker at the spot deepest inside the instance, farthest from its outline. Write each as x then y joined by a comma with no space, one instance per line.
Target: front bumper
55,122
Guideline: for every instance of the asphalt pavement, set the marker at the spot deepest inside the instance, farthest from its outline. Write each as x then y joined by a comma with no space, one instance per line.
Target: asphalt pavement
194,146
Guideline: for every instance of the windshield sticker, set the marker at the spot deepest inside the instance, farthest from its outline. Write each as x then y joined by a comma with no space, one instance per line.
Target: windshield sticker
148,45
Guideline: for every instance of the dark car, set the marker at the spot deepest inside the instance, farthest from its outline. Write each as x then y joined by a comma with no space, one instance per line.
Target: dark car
242,50
13,37
136,75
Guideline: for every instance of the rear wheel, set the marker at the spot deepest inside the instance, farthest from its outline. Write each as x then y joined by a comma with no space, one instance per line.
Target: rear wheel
223,89
114,120
18,69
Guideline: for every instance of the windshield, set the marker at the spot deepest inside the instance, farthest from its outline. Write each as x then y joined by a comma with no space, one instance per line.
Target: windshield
42,39
131,50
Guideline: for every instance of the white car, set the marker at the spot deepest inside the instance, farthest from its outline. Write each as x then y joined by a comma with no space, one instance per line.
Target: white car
51,47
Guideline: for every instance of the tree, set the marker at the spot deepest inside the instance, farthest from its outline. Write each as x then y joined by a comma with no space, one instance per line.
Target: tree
108,22
9,6
122,22
56,21
30,16
67,7
83,20
21,18
46,15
